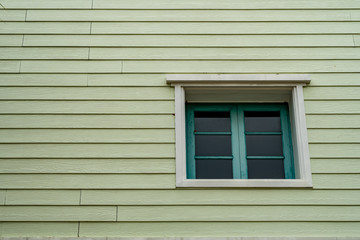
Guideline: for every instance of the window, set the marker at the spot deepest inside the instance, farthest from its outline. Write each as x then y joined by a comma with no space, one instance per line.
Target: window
238,141
240,130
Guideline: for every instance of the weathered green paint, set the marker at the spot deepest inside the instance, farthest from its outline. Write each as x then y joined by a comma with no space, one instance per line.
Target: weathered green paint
87,119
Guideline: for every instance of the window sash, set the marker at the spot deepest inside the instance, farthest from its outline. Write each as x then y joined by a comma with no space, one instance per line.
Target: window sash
238,136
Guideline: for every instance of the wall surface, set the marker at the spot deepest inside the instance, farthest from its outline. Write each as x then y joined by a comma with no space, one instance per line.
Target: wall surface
87,127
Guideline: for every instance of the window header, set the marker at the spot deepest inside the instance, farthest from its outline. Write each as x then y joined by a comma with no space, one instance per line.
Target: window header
238,79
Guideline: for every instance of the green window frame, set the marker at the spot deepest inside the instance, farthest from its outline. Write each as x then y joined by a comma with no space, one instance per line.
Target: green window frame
238,136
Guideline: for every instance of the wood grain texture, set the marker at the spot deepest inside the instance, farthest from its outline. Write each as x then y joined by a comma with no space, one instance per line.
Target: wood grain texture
333,121
57,213
43,197
334,150
335,165
237,213
43,53
12,15
87,121
220,229
191,15
22,80
87,150
222,53
44,4
36,229
87,107
11,40
93,93
107,40
2,197
333,107
9,66
84,166
220,197
44,28
336,181
261,66
87,181
334,136
223,28
332,93
88,136
227,4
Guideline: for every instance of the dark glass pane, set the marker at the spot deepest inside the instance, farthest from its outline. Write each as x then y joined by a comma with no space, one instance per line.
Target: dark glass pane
265,168
214,169
262,122
213,145
264,145
212,122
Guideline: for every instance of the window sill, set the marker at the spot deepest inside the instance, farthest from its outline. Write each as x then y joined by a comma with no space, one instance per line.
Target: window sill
276,183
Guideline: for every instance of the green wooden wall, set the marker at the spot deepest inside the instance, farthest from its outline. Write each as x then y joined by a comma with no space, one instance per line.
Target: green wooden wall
87,126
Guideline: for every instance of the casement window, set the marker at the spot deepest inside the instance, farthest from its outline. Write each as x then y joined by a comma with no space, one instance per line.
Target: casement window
240,130
238,141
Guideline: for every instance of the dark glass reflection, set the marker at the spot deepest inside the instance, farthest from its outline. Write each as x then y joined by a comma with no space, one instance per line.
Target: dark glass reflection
265,169
213,145
264,145
262,122
212,122
214,169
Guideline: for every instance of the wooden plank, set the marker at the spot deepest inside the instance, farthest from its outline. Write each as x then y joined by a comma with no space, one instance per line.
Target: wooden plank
334,135
73,66
127,80
87,150
333,79
93,93
336,181
191,15
11,40
333,121
87,107
260,66
44,28
334,150
87,181
12,15
237,213
221,229
335,165
43,53
87,166
332,93
223,28
44,229
223,197
87,121
227,4
28,80
332,107
357,40
223,53
44,4
42,197
9,66
190,40
57,213
88,136
2,197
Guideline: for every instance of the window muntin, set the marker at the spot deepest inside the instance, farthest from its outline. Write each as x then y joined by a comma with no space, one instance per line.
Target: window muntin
238,141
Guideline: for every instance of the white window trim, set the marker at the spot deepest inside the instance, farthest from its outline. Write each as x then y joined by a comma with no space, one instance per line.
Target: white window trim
295,82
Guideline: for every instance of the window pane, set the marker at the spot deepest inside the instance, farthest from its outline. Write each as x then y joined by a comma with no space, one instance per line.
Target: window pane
213,145
262,122
212,122
214,169
264,145
265,168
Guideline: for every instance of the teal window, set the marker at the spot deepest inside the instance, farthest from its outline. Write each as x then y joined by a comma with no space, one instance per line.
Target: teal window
238,141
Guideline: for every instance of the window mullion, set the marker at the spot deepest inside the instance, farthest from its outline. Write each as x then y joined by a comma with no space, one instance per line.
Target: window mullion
242,142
